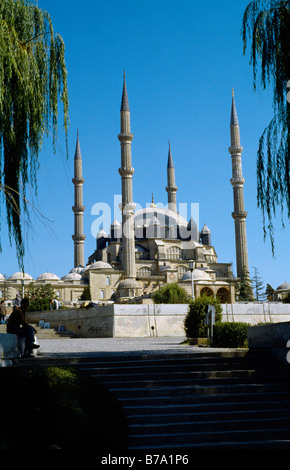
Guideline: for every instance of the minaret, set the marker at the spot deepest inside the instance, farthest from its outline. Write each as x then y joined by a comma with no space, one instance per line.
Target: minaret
239,215
126,171
78,208
171,188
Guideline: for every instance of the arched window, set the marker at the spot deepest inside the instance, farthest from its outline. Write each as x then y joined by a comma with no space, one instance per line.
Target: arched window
145,271
181,270
206,291
224,295
174,252
107,281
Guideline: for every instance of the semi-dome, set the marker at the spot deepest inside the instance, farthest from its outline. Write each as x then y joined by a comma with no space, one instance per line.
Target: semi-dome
197,275
284,286
20,276
48,277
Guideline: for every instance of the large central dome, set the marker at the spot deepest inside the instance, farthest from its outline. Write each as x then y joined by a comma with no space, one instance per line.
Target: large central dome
157,222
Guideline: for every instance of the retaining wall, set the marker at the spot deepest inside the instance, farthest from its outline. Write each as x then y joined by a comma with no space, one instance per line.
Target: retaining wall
141,320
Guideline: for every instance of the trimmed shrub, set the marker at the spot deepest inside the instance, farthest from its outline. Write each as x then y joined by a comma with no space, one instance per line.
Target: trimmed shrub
171,294
194,321
230,334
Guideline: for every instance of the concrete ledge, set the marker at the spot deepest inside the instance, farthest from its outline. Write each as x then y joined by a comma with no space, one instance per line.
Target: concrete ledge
11,346
272,336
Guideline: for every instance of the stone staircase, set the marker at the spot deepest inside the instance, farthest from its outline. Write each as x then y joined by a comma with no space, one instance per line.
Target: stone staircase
46,333
230,400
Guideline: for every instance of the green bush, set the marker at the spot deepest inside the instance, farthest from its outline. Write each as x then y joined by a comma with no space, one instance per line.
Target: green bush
230,334
39,305
194,321
171,294
62,406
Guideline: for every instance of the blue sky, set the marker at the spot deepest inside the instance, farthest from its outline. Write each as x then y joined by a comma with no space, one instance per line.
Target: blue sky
182,59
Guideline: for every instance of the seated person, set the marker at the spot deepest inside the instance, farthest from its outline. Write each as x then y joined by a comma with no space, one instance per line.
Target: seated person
17,325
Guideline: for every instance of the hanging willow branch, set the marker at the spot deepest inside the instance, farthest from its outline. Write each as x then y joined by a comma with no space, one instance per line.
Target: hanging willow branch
33,79
267,25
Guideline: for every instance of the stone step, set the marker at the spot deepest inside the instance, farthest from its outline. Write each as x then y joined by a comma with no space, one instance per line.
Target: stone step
118,382
206,408
205,416
246,438
194,391
44,333
198,401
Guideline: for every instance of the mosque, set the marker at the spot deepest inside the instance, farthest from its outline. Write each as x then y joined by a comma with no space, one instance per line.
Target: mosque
149,247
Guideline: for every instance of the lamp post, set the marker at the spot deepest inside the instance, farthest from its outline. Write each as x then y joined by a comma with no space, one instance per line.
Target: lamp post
191,265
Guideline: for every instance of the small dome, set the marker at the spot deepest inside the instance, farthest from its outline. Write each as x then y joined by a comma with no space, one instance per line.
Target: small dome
129,284
284,286
48,277
20,276
2,278
79,269
197,275
100,265
72,277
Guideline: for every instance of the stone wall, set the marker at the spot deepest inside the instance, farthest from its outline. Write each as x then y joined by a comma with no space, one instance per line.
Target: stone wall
141,320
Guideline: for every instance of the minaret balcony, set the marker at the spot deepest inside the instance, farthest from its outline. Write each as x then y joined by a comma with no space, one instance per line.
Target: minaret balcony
78,180
125,137
79,209
239,215
171,189
126,171
78,238
235,149
238,181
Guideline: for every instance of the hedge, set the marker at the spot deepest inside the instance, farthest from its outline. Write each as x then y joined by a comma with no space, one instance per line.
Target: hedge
230,334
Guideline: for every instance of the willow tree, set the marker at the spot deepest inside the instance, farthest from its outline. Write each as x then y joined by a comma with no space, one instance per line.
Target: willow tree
266,24
33,80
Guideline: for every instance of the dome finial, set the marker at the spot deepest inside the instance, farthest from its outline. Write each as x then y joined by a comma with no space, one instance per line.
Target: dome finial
153,204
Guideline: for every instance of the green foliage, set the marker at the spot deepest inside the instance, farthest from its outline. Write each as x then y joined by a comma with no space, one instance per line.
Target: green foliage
66,407
39,297
33,78
194,321
230,334
266,24
269,292
171,294
258,286
86,295
286,299
244,288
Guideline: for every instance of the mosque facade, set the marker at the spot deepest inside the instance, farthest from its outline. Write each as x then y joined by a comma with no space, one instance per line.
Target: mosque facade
149,247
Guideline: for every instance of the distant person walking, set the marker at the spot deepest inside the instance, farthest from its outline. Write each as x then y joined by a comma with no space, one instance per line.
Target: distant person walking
17,325
3,311
17,301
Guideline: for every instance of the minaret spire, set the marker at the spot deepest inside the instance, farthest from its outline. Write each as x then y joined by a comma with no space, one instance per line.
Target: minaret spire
78,208
129,287
171,187
239,215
